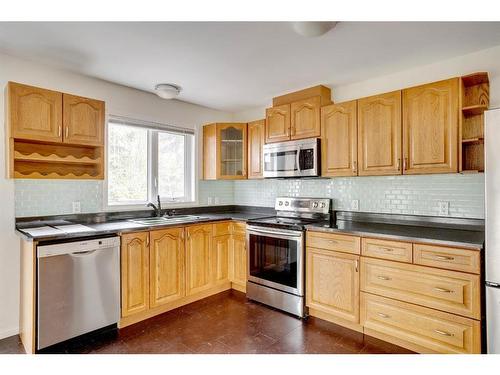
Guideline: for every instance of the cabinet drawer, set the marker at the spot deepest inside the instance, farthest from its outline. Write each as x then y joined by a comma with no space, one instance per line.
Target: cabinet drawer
447,257
426,330
391,250
450,291
239,228
336,242
221,229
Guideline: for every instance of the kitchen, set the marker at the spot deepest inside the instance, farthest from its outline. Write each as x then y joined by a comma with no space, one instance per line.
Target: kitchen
328,216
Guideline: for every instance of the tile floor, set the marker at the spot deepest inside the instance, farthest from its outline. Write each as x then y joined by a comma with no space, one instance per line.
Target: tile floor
224,323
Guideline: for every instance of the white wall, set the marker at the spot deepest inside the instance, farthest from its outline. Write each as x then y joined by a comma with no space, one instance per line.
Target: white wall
120,100
486,60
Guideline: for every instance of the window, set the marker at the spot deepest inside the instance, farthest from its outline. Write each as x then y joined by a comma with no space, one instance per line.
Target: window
146,160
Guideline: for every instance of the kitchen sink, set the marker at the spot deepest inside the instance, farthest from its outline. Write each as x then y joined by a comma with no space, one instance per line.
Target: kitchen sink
163,220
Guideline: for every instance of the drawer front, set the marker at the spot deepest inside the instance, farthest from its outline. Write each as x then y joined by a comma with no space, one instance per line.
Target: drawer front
335,242
221,229
450,291
447,257
391,250
432,330
239,227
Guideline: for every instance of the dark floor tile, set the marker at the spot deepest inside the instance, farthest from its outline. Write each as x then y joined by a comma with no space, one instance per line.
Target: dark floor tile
246,344
376,346
11,345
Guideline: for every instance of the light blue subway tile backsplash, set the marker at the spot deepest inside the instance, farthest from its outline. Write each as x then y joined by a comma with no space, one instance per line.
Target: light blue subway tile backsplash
416,195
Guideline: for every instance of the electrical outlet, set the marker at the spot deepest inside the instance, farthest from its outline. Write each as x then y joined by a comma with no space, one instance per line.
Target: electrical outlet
76,207
444,208
355,205
217,200
210,200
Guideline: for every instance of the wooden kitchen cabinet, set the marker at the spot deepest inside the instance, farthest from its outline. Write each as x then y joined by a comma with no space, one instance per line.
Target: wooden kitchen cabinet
332,285
305,118
238,261
34,113
135,273
379,134
278,123
430,128
167,271
83,120
220,259
339,140
256,140
225,151
198,258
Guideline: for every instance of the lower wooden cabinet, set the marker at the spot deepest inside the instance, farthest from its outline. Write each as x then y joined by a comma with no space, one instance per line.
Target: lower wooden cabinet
166,271
238,261
198,258
418,328
135,273
220,260
332,284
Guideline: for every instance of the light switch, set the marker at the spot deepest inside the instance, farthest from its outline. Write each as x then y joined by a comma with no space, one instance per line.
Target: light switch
76,207
355,205
444,208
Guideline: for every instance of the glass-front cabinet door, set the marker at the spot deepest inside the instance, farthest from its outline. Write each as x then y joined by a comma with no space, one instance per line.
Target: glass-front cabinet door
232,152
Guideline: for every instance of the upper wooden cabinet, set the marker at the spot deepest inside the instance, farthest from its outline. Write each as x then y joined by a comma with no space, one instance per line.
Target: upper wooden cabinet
135,273
256,139
166,273
379,134
305,118
430,128
225,151
339,140
34,113
278,123
199,258
83,120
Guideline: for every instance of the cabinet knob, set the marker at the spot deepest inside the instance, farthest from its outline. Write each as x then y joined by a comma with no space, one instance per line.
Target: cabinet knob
383,278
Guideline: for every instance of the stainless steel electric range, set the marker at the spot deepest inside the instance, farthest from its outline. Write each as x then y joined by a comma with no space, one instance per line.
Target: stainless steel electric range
276,252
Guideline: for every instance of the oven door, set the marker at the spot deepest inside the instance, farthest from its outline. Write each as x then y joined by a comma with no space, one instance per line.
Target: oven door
292,159
276,258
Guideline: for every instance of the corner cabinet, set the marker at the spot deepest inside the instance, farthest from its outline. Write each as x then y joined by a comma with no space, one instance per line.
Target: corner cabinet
198,258
430,128
225,151
256,139
135,273
238,258
339,140
379,134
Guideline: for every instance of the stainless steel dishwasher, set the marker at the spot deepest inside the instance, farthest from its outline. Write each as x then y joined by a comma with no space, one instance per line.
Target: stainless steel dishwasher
78,288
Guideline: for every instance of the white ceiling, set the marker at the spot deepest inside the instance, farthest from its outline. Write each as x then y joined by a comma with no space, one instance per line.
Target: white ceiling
239,65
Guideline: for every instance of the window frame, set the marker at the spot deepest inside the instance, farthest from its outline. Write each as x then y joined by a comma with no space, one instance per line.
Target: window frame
153,129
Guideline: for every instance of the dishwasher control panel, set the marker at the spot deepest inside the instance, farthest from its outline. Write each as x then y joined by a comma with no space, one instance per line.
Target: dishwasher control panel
84,246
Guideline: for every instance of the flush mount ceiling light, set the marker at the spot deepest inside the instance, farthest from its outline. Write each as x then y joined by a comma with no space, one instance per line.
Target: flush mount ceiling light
313,29
167,90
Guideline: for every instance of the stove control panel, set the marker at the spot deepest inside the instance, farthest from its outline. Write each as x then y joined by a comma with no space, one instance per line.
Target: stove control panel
312,205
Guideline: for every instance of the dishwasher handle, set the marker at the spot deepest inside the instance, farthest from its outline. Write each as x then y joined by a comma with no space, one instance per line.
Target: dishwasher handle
82,253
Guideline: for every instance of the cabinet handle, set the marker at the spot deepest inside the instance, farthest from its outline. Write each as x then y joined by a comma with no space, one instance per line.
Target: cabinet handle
442,257
354,167
59,131
332,241
382,315
67,132
443,290
357,265
292,130
405,164
387,249
182,235
443,333
399,164
147,241
383,278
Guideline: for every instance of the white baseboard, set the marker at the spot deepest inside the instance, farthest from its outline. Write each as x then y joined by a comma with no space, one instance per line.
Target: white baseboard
9,332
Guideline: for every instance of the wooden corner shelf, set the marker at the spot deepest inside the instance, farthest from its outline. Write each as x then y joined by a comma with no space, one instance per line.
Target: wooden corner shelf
474,100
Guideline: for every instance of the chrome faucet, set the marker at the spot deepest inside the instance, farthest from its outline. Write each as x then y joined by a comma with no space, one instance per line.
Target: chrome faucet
157,208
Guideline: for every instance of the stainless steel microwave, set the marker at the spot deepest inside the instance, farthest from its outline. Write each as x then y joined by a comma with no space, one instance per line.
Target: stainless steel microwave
292,159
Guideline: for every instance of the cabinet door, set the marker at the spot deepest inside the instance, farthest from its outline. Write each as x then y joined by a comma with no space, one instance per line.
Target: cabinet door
167,275
430,128
379,134
256,139
332,283
278,123
198,258
135,272
339,139
83,120
231,151
305,118
238,260
220,258
34,113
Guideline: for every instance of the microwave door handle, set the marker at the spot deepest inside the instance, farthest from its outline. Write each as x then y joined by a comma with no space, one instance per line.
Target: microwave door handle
297,159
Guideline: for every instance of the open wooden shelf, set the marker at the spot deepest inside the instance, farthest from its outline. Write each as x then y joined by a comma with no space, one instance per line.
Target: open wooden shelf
473,110
36,157
475,79
473,140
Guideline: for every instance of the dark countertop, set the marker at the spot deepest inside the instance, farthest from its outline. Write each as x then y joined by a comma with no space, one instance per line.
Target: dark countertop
424,234
112,226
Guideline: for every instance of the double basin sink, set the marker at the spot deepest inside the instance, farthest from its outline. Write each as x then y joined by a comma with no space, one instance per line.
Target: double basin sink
163,220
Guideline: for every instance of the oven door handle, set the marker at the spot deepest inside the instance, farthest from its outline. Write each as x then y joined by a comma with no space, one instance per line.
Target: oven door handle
275,232
297,159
